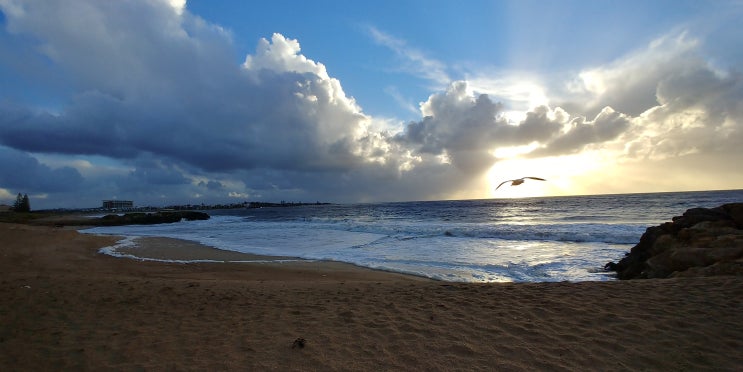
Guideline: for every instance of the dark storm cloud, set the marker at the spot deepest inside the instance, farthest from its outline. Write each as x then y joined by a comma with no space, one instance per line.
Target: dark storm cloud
212,185
158,175
23,173
91,126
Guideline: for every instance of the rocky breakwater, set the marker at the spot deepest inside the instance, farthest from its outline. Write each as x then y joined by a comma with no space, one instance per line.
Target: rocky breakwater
137,218
701,242
149,218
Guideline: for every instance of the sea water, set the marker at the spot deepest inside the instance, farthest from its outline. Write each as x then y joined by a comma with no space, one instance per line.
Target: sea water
494,240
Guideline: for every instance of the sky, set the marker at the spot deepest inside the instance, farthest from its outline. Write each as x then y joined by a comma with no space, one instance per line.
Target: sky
187,102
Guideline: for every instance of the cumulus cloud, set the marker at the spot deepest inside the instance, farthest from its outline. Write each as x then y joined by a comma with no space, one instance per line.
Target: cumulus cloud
458,126
175,93
629,84
467,128
698,110
663,101
169,90
578,132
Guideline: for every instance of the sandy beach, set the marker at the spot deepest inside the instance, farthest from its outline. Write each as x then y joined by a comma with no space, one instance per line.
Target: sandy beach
67,307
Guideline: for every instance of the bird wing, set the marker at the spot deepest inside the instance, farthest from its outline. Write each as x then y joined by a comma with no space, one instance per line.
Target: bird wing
501,184
536,178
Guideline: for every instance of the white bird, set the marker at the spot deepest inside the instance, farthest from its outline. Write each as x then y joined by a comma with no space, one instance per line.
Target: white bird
519,181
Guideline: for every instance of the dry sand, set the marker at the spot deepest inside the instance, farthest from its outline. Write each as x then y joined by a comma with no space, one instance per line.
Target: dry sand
63,306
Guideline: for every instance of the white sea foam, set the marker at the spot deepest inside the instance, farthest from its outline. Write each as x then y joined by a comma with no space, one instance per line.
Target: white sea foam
439,256
129,242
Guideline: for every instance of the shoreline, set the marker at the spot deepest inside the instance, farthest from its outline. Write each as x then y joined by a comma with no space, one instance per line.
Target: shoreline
66,306
164,249
188,252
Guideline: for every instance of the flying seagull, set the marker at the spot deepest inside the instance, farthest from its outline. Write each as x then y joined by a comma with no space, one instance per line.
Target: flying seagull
519,181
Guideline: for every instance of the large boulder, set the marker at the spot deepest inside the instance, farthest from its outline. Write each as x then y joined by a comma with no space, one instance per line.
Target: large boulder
701,242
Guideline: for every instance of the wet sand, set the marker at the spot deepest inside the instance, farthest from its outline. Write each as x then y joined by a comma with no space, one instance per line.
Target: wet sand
67,307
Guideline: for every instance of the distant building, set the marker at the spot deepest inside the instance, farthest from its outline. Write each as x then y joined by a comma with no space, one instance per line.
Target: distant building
118,204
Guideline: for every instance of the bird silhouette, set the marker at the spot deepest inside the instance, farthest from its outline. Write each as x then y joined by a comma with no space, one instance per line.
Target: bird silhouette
519,181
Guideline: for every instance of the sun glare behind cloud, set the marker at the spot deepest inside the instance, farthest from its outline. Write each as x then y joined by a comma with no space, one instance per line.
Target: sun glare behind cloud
563,175
514,151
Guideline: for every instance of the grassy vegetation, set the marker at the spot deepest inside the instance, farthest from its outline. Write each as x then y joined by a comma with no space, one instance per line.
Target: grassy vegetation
49,218
23,217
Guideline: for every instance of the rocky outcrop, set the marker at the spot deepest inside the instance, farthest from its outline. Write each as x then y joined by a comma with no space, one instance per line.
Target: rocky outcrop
149,218
139,218
701,242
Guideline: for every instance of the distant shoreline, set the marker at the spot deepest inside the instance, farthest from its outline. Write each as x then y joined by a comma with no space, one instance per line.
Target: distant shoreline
109,219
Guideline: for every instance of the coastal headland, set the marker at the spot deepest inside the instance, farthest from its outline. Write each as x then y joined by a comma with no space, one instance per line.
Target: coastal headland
66,306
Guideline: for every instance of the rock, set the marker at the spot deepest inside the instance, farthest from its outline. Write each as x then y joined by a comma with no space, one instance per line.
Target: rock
735,211
701,242
149,218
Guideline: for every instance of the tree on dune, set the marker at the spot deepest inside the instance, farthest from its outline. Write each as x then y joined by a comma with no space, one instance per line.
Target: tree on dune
22,204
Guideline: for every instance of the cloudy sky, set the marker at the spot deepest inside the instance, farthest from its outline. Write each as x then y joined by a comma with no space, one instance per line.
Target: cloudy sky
173,102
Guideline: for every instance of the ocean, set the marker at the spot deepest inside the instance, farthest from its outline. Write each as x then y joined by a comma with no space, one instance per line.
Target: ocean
495,240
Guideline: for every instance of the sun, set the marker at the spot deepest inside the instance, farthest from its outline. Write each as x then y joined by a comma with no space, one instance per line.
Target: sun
561,172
